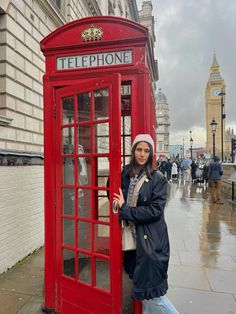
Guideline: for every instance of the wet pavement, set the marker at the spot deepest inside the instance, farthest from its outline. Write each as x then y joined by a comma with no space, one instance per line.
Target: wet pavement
202,272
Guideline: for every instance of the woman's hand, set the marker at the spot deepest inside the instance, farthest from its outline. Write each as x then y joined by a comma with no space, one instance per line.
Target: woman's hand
119,198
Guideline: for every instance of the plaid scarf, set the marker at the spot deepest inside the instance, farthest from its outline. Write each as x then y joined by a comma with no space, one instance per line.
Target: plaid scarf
133,182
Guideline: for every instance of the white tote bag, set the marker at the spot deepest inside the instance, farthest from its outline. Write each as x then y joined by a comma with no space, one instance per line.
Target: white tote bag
128,230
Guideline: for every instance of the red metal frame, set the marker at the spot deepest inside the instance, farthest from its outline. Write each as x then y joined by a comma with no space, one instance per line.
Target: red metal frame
94,297
118,34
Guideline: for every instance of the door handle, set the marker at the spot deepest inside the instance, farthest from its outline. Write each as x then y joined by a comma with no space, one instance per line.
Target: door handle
115,206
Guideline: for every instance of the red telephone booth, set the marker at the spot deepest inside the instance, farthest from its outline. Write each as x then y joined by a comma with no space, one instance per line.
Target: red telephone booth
97,96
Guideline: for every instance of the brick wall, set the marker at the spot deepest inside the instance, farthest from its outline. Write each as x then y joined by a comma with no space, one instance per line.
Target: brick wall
22,69
21,213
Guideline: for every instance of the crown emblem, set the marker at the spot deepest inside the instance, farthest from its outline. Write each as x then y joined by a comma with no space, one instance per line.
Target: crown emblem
92,33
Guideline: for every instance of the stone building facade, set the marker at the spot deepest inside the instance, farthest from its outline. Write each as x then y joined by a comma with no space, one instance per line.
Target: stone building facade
23,24
147,19
163,124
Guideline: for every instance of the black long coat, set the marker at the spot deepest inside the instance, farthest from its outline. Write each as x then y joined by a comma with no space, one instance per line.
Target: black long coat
149,263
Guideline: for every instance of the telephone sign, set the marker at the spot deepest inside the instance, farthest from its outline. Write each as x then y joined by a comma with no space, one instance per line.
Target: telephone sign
94,60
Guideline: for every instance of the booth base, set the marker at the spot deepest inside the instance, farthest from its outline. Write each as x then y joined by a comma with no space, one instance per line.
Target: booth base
48,311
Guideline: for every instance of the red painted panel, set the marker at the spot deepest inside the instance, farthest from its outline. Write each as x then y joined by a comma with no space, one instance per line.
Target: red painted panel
114,29
68,308
87,299
49,193
118,34
70,292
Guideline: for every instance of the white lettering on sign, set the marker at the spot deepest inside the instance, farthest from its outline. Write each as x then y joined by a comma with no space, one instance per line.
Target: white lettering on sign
125,90
95,60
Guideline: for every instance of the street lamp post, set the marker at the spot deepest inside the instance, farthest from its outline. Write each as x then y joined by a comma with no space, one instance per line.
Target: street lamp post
191,144
213,125
181,152
223,115
191,148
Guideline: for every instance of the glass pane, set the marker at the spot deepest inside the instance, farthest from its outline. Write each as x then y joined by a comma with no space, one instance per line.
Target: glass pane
84,235
127,125
68,110
102,239
84,203
84,107
84,135
85,268
68,201
125,106
68,231
84,169
103,207
102,171
102,274
68,263
127,160
68,140
127,143
101,132
68,170
101,104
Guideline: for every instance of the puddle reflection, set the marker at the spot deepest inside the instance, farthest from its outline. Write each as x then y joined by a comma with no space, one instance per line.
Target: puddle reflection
208,230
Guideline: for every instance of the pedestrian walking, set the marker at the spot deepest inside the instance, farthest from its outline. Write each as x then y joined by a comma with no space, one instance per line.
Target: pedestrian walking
162,167
186,169
193,171
168,170
147,264
214,174
205,173
174,170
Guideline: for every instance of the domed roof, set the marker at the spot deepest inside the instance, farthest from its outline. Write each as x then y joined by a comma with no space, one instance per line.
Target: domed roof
160,96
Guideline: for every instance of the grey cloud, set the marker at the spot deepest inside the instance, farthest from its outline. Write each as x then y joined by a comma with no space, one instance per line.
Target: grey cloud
188,32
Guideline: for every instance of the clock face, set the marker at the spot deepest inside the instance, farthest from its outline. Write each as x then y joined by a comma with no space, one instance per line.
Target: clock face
216,91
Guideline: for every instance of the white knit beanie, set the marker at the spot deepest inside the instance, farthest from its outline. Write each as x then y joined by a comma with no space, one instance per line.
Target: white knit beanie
143,138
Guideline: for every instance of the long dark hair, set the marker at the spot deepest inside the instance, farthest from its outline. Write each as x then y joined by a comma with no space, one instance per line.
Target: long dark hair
135,168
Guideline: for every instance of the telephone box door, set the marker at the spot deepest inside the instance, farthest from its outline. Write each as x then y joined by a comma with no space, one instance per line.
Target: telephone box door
88,163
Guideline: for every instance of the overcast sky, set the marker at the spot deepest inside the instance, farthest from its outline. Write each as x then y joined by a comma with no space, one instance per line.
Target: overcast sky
187,34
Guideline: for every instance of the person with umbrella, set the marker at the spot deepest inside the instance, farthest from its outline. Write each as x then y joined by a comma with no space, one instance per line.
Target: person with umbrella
186,168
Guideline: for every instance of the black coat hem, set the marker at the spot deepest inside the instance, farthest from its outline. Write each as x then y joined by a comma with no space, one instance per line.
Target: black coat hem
150,293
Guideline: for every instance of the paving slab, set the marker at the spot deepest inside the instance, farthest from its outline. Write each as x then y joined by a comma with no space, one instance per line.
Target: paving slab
22,279
193,301
222,281
34,305
11,302
21,288
188,277
223,262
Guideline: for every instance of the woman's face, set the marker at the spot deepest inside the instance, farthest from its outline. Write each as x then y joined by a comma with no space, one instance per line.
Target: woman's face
141,153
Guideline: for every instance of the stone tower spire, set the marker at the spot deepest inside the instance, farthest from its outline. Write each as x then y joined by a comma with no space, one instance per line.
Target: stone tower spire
215,70
214,63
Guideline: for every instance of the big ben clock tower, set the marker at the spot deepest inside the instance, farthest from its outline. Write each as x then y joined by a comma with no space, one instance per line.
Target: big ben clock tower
214,87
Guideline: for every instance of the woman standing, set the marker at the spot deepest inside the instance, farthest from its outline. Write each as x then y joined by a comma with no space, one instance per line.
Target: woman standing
148,264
